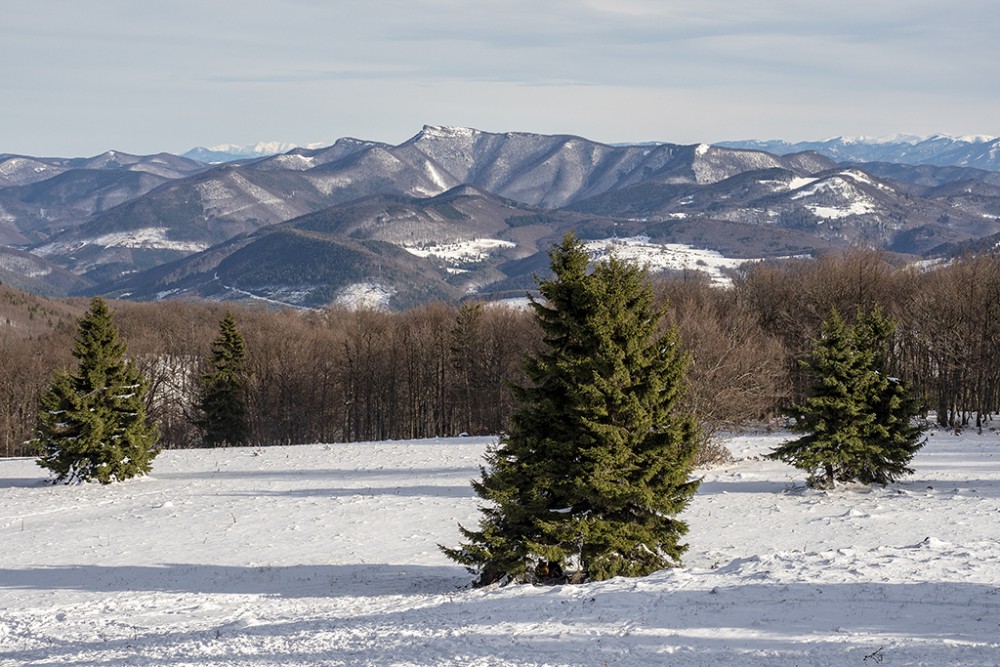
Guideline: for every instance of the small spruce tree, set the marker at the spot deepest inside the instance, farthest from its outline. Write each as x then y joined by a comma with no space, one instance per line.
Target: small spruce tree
587,483
858,422
92,424
222,402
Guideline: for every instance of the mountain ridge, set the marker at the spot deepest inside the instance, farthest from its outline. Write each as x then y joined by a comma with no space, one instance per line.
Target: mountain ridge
980,151
457,211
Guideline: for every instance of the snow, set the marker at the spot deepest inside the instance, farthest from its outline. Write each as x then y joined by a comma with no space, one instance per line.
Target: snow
295,162
666,256
28,266
889,139
840,187
436,177
327,555
460,252
862,177
283,296
365,295
152,238
448,132
800,182
262,148
835,212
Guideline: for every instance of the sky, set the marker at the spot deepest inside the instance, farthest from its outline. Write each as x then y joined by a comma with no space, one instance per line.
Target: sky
80,77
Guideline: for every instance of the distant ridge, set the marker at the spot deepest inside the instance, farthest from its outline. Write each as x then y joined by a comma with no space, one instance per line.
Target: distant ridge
940,150
234,152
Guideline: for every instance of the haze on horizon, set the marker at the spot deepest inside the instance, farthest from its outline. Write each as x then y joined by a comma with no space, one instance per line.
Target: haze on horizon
82,78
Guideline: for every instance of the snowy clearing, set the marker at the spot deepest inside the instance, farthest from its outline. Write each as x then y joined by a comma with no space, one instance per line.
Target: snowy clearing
148,238
365,295
326,555
666,256
461,252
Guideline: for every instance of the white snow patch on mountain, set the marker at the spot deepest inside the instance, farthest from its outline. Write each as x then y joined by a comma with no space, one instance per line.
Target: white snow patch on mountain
436,176
861,177
16,165
665,256
835,212
800,182
151,238
447,132
365,295
461,252
295,162
262,148
841,187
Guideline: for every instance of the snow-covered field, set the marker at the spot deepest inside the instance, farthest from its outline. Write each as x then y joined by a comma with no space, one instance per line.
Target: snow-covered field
326,555
667,256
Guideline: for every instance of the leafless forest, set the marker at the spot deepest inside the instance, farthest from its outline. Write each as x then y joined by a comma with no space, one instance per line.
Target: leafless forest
442,370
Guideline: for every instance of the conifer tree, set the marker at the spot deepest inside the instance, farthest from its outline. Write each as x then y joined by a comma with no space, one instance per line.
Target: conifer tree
92,424
588,481
858,423
895,434
222,401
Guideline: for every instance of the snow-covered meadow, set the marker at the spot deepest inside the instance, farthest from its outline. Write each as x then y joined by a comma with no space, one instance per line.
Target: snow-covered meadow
327,555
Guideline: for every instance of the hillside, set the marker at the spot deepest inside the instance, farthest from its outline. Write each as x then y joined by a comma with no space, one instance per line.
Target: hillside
327,554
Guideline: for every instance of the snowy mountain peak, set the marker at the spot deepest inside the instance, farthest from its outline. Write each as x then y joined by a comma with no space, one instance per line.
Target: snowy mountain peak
447,132
232,152
878,141
259,148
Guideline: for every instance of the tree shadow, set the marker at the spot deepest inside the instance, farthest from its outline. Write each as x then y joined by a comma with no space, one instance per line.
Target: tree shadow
25,482
418,491
761,486
622,622
324,581
327,473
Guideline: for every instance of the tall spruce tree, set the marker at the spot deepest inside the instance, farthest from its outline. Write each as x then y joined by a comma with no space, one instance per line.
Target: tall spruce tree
222,401
858,422
92,424
587,483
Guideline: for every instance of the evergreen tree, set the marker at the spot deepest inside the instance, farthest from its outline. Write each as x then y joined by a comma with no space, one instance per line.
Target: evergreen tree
92,424
858,422
222,401
587,483
895,434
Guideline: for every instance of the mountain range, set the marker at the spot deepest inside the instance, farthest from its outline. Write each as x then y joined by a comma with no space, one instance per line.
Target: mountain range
980,151
457,211
235,152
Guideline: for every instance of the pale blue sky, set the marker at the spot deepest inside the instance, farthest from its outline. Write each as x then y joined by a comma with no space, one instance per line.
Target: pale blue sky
83,76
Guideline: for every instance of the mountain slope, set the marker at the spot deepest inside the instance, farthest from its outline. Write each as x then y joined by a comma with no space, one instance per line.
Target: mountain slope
40,209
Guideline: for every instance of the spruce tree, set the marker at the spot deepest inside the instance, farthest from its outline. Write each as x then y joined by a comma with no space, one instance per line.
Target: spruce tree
222,400
895,435
858,422
587,483
92,424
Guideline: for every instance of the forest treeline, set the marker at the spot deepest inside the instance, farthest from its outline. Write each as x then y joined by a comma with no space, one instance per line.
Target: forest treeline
443,369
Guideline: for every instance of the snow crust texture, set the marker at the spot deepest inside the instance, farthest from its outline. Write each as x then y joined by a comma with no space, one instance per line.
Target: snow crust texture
327,555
